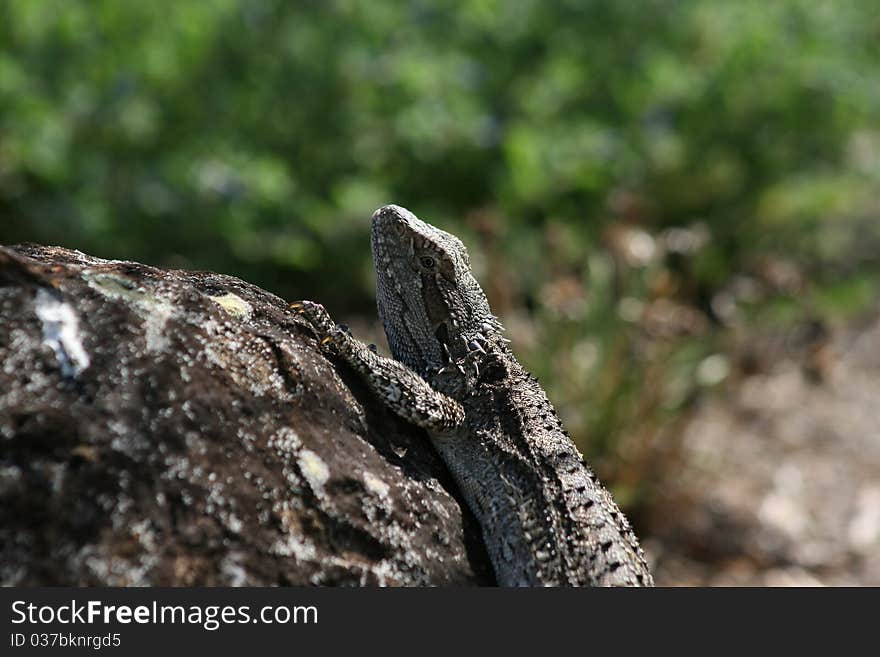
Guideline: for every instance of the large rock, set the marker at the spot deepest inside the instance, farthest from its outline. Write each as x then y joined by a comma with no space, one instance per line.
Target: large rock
182,428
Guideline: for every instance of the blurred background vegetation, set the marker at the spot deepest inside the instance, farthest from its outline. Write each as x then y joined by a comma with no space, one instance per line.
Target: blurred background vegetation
642,185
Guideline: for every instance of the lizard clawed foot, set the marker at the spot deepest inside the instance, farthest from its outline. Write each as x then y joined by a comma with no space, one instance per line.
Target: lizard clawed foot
327,331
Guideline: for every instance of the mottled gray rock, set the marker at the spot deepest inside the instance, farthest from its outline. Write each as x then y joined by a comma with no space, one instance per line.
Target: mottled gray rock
179,428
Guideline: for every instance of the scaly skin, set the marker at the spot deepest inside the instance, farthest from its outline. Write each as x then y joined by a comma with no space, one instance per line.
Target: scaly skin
545,518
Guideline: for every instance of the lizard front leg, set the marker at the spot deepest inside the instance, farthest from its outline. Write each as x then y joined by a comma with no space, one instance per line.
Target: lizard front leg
401,389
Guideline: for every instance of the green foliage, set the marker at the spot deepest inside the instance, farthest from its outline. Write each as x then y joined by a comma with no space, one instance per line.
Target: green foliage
560,139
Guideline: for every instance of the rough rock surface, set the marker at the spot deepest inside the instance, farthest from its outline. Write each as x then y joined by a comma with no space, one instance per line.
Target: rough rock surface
181,428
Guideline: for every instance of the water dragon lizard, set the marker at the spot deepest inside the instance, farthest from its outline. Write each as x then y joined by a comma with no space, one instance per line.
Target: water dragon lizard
545,518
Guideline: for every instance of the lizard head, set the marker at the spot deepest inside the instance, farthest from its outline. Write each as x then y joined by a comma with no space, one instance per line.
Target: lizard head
432,307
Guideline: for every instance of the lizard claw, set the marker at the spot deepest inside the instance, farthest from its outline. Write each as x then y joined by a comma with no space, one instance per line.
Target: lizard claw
319,320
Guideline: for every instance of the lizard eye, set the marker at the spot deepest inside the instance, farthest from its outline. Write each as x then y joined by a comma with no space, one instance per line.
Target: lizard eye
428,262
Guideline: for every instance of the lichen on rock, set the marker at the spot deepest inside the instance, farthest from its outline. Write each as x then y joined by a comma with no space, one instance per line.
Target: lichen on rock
164,427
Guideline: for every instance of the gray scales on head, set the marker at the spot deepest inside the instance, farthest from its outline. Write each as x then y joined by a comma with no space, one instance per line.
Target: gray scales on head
545,518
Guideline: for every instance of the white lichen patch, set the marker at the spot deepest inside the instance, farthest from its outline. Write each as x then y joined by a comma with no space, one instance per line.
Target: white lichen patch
294,546
233,305
314,469
379,498
376,485
114,286
61,332
233,523
154,311
285,441
384,572
155,322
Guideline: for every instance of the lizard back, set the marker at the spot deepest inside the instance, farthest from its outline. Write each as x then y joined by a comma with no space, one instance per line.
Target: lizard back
545,516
